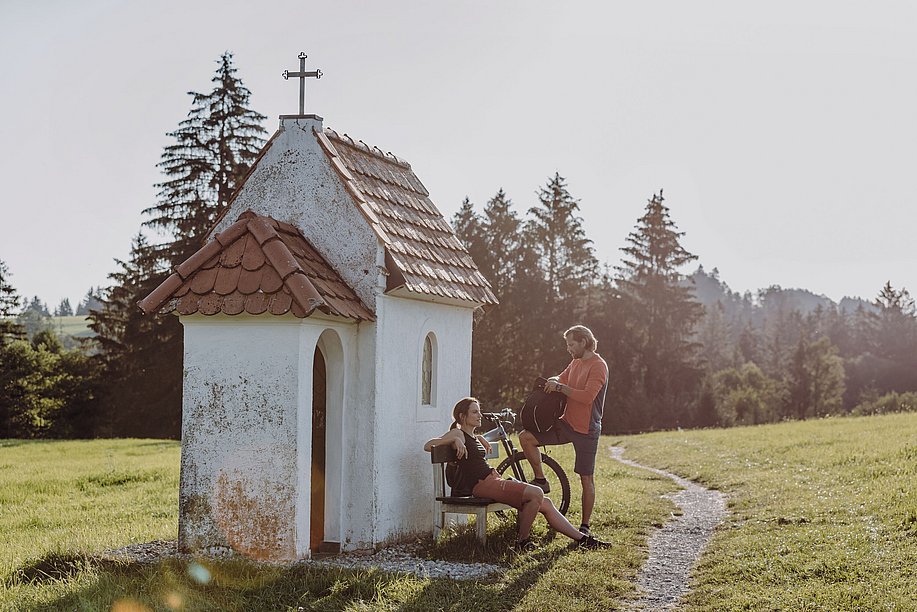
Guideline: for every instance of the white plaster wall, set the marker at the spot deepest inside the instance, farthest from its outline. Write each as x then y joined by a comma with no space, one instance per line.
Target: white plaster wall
247,434
403,472
359,444
349,442
294,182
238,467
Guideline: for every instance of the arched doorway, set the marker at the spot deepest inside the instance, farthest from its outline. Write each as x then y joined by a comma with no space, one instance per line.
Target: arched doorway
319,427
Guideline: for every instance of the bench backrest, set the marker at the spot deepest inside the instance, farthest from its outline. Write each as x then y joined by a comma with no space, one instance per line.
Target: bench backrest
444,453
439,457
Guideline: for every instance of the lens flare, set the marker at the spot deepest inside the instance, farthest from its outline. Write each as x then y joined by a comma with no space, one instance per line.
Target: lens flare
198,573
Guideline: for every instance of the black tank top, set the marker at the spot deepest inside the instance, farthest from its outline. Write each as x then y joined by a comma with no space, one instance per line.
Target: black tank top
472,468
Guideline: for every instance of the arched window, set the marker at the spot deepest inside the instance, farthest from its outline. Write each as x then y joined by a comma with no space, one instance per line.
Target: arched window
427,371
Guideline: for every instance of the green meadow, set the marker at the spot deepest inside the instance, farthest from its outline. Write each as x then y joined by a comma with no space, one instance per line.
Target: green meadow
823,516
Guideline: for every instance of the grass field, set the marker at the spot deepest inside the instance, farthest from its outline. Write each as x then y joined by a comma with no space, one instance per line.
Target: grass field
824,513
824,517
72,326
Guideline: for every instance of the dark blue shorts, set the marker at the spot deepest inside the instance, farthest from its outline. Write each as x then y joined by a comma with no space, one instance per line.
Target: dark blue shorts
584,446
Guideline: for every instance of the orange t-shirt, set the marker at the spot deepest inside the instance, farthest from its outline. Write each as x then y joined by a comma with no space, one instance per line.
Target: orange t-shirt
587,379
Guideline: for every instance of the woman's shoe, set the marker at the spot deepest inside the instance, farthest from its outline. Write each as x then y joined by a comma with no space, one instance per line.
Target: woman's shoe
590,542
524,546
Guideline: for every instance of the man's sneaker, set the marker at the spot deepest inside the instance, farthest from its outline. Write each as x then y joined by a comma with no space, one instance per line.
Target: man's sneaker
542,483
524,546
584,529
591,543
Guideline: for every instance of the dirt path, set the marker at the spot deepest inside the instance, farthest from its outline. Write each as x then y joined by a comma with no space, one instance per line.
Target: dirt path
675,547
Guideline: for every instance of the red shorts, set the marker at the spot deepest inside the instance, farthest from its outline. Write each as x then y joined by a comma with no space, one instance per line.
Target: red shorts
510,492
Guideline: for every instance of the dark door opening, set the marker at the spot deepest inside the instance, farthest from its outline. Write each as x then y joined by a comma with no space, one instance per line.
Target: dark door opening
319,412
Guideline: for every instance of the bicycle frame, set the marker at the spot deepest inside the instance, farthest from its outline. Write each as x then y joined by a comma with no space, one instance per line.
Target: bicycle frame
504,420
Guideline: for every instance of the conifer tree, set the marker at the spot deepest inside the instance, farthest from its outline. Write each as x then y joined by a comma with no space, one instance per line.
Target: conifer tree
568,268
10,329
213,149
141,355
663,314
502,342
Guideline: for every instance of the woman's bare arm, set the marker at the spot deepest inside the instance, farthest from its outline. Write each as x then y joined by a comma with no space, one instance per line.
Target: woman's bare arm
450,437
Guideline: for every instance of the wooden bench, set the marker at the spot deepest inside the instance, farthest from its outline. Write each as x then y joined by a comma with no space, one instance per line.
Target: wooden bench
450,504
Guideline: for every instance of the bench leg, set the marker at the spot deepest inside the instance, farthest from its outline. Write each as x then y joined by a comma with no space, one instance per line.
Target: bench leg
480,524
439,521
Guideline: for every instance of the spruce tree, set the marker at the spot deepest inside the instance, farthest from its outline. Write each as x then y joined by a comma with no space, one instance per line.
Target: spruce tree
213,149
502,345
141,355
568,268
663,313
10,301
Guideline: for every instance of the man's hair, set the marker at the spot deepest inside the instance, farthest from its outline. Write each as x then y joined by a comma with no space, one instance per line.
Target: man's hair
582,333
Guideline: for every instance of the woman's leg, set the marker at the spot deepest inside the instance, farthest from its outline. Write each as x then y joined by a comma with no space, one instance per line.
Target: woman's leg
557,520
532,501
526,498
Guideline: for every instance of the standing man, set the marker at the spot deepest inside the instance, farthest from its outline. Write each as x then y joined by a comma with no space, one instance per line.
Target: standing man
583,382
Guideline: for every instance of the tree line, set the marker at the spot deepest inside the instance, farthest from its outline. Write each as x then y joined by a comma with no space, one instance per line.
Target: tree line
683,349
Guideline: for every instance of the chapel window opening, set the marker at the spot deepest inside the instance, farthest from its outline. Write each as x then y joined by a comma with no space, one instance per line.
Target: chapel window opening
427,371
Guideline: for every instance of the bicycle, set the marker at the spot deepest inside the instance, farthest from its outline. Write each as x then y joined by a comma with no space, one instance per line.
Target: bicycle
516,463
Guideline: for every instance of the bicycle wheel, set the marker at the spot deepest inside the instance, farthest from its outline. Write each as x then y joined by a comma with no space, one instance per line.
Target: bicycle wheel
557,478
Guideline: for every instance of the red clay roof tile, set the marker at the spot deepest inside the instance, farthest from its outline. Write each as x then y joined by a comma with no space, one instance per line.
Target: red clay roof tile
421,244
227,280
245,276
232,254
202,282
201,257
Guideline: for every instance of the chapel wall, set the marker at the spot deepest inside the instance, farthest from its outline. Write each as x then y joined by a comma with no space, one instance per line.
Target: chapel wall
403,423
239,418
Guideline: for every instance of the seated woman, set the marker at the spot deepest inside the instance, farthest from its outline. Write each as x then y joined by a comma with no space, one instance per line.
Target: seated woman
475,475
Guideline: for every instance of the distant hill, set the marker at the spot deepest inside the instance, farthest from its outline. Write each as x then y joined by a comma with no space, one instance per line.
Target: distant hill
77,326
709,289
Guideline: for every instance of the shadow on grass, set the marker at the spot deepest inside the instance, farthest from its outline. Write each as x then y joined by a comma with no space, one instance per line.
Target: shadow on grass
55,567
242,585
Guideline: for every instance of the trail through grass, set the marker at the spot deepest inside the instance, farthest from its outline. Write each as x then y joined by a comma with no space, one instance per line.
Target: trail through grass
824,513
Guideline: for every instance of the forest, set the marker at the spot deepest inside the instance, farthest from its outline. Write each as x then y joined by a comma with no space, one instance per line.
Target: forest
683,349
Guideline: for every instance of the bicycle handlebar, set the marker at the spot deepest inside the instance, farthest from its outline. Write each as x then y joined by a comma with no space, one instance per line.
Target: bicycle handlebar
505,416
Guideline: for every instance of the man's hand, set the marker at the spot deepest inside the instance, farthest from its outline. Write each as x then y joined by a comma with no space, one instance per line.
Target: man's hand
552,385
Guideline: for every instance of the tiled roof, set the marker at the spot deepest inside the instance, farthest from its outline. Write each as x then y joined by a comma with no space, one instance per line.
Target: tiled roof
256,265
421,246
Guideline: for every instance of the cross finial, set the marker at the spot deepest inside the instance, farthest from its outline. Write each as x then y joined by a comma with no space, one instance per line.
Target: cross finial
302,74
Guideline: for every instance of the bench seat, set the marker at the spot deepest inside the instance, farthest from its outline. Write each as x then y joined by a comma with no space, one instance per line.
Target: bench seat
453,504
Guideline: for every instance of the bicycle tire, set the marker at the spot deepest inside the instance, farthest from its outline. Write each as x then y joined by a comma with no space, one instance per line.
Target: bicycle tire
552,471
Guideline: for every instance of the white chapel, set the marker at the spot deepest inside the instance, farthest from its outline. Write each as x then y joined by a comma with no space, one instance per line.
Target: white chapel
327,332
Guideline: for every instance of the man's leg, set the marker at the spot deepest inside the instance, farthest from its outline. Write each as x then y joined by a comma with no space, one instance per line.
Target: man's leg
530,448
588,483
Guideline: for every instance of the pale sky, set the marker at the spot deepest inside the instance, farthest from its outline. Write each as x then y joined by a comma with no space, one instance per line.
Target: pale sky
783,133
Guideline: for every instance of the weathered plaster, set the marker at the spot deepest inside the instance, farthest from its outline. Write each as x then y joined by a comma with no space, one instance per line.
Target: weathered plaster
238,473
294,182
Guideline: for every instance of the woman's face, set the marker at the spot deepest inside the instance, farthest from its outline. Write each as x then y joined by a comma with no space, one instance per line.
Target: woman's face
473,416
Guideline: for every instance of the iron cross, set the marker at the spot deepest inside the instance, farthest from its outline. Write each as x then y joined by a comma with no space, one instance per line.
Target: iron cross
302,74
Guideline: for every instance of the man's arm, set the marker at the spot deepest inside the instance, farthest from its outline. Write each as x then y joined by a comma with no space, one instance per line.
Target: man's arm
594,382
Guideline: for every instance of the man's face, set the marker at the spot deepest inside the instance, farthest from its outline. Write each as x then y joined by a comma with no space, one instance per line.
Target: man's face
576,348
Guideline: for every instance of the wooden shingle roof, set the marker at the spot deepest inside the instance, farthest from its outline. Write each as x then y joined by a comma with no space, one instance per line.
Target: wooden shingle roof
256,265
423,254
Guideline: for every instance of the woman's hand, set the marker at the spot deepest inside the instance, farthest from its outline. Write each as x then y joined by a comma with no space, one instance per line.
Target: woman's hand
460,450
485,443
